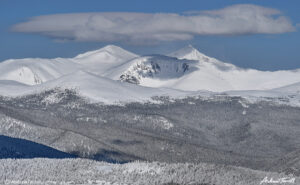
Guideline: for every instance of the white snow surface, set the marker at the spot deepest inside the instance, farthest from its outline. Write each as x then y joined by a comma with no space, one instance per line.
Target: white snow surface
100,61
101,75
293,88
190,70
93,87
32,71
218,76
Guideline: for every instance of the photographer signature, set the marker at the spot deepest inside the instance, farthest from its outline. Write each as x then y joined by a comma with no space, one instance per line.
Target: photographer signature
278,181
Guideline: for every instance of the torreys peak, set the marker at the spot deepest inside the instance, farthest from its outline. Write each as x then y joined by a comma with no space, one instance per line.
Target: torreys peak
190,53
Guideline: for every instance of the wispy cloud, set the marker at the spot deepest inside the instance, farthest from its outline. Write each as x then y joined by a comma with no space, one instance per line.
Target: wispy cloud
143,27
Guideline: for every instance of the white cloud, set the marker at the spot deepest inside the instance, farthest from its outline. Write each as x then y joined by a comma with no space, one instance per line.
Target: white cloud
142,27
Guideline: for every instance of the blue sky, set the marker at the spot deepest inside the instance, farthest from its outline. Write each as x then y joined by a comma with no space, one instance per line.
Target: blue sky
256,50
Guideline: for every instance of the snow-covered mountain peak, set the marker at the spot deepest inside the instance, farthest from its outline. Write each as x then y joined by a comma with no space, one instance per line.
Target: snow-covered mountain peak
101,60
190,53
108,50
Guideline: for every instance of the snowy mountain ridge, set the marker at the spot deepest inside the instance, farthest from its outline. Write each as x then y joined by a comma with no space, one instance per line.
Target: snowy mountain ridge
110,70
33,71
200,73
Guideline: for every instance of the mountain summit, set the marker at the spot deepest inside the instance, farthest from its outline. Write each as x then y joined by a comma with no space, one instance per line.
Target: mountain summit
109,50
101,60
190,53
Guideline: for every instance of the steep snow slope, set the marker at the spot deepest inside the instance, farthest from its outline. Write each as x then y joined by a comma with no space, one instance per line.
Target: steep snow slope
99,61
32,71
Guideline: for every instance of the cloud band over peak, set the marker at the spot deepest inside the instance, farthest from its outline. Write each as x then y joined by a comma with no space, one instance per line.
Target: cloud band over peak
143,27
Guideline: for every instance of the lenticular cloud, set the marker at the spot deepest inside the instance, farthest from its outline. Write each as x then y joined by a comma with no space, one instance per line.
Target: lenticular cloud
143,27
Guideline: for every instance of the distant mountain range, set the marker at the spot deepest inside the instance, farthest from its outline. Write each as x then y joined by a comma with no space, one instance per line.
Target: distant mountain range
112,74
